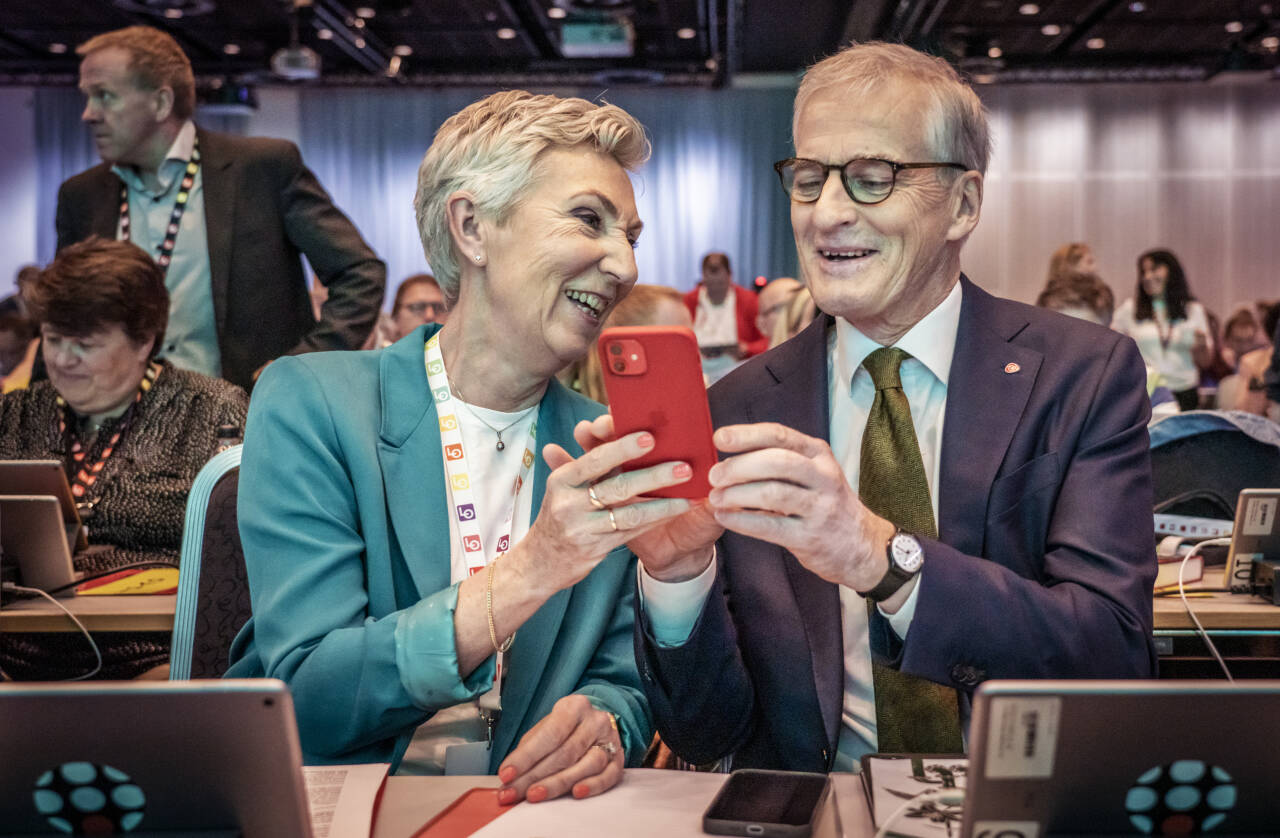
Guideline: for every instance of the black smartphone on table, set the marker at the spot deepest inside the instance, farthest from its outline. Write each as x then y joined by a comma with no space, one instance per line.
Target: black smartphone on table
770,804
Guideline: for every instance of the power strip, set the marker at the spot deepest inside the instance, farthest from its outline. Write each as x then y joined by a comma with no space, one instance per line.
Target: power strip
1189,526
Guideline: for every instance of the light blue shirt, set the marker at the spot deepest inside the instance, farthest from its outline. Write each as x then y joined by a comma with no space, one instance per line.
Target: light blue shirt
191,339
673,608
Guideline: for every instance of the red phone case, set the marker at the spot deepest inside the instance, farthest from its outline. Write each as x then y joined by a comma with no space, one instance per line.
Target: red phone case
653,375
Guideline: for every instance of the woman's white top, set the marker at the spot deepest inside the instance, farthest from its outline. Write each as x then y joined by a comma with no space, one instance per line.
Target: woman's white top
1166,347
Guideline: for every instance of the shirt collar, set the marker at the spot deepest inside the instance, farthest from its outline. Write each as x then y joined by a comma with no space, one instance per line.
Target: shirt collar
931,341
179,150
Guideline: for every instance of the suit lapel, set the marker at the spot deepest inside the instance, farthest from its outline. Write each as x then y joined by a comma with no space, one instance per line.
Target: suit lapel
219,216
105,220
991,380
795,393
413,464
537,637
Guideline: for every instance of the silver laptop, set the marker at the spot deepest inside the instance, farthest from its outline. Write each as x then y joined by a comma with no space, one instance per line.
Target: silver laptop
1254,536
32,537
196,758
1123,758
45,477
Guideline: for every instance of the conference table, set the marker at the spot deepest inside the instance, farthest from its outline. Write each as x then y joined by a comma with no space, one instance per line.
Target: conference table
648,802
151,612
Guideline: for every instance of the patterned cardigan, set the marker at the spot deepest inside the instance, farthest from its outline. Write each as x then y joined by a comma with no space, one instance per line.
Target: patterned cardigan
139,500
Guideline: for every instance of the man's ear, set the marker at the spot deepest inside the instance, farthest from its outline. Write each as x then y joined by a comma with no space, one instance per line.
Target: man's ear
966,196
465,228
162,101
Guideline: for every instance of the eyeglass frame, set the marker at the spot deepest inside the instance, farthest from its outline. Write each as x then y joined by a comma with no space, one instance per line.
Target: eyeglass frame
436,308
828,168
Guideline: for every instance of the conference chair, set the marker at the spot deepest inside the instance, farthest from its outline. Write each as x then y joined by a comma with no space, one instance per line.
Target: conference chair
1200,460
213,591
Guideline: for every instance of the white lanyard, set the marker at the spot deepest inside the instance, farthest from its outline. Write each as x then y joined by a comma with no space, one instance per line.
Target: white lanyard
463,509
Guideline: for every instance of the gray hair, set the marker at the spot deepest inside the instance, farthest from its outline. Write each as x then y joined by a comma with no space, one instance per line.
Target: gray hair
956,128
491,148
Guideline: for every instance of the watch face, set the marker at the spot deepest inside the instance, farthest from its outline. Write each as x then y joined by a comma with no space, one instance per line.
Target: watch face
907,552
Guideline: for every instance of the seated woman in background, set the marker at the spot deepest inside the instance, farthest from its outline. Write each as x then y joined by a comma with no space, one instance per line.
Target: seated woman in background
1169,326
646,305
132,432
1071,258
414,520
1246,388
799,313
1078,294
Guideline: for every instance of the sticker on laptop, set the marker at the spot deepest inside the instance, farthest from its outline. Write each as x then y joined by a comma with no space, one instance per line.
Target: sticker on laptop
1259,515
1022,738
83,798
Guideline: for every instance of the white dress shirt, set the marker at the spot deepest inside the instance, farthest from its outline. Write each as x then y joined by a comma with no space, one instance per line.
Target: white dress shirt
673,608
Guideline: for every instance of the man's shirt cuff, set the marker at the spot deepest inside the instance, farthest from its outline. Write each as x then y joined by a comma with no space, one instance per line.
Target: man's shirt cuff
901,621
673,607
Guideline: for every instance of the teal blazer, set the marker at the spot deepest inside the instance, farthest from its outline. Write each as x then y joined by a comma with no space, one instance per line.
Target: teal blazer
343,515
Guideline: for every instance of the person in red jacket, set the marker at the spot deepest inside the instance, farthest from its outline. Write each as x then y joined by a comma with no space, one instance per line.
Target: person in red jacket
724,318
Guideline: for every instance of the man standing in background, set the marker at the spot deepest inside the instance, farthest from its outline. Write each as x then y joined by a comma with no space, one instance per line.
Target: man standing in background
226,217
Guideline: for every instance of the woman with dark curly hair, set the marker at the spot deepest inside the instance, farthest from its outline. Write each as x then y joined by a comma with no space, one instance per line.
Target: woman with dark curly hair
1170,327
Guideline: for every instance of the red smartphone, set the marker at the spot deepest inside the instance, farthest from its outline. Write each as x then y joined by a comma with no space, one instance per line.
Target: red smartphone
653,375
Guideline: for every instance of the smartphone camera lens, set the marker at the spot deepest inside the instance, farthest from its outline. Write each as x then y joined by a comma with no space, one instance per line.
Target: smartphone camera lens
615,349
619,366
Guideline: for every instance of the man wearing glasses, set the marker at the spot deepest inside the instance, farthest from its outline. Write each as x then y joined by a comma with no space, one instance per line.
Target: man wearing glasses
927,488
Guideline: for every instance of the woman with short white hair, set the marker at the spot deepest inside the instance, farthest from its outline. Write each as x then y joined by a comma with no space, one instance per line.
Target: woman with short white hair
437,569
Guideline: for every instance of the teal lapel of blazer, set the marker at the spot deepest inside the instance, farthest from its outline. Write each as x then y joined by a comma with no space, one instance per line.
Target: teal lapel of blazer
417,501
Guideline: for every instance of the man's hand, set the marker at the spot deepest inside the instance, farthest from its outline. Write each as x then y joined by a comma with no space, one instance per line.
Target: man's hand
575,748
787,488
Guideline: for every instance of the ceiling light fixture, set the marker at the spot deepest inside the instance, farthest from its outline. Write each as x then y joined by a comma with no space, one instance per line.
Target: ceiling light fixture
231,49
324,34
556,13
1051,29
1095,43
366,12
58,49
686,33
393,66
1137,7
1270,43
359,42
173,14
506,33
1234,26
403,50
994,52
1028,9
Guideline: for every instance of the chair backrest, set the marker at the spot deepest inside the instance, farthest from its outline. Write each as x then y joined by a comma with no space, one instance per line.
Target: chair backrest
213,591
1200,461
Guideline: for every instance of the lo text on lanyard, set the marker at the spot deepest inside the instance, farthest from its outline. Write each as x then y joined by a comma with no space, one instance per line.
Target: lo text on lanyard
463,508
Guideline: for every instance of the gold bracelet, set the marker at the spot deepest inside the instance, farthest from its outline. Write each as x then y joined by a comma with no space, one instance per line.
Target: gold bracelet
488,606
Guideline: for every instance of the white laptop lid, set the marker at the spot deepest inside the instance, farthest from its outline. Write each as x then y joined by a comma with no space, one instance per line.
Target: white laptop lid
1123,758
33,536
152,758
1255,535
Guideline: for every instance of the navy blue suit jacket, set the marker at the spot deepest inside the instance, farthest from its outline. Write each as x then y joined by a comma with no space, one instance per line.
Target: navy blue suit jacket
1043,566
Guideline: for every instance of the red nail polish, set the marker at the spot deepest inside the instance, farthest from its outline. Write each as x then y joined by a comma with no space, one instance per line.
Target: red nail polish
507,796
645,440
682,470
537,794
507,773
580,791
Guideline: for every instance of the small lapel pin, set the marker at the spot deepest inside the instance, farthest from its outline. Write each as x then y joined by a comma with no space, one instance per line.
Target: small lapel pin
1010,368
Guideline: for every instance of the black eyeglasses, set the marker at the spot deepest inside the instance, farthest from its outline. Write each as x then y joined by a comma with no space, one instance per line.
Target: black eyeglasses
866,180
422,307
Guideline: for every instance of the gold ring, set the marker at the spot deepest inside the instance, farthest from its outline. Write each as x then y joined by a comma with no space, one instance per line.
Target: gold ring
595,501
608,747
613,522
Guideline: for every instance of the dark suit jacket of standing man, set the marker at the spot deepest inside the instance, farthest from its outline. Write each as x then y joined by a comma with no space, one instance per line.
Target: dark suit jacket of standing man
1043,567
262,207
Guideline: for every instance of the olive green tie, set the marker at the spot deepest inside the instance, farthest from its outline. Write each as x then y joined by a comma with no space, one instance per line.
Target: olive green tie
913,715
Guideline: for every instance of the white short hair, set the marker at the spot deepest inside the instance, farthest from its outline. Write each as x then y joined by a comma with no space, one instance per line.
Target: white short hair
491,147
956,128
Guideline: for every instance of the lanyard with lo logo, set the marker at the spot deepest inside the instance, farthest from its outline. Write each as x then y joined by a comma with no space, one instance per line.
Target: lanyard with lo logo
463,508
165,256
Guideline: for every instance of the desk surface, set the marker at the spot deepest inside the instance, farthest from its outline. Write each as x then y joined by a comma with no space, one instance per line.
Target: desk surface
152,612
1217,611
409,802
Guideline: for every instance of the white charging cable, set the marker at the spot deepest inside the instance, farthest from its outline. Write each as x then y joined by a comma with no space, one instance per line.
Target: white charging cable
946,797
8,586
1212,542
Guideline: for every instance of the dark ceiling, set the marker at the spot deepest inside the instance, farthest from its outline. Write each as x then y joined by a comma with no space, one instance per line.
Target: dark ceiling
439,42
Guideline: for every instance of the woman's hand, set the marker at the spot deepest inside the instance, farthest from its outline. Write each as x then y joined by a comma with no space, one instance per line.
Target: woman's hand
591,506
575,748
